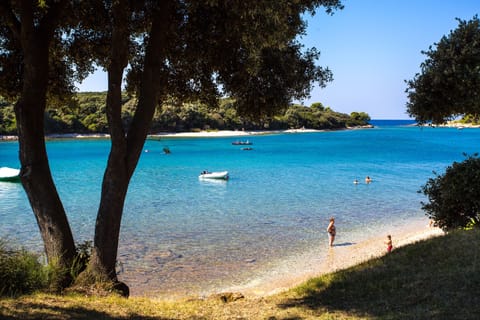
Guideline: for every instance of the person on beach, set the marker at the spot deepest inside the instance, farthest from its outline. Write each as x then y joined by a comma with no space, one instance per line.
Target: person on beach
389,243
331,231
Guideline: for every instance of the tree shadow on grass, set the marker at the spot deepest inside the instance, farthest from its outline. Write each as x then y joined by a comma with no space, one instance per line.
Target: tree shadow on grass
427,280
55,312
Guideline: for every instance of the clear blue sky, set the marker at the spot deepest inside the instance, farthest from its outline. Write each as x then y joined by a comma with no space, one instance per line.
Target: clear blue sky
371,46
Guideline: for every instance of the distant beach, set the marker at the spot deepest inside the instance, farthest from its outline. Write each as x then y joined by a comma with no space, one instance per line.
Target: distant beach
196,134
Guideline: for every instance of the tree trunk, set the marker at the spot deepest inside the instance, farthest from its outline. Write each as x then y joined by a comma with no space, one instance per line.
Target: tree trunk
125,150
116,178
35,171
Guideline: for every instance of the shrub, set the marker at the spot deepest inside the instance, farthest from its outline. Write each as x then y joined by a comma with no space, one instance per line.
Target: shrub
454,197
20,272
82,256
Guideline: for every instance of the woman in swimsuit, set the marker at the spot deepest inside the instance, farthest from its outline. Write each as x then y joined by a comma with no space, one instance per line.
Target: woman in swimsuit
331,231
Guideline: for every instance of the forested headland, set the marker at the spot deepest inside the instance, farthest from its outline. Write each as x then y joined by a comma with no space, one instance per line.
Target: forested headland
86,114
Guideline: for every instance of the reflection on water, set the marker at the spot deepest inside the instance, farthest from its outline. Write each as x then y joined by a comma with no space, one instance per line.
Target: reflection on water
10,194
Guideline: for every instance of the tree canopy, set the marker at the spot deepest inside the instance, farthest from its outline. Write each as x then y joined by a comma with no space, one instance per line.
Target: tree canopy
449,82
166,51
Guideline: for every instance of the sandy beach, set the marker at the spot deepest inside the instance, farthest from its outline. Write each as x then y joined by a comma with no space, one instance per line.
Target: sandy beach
292,271
198,134
229,133
340,256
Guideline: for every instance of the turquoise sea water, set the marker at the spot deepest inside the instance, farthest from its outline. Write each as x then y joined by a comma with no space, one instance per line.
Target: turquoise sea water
183,235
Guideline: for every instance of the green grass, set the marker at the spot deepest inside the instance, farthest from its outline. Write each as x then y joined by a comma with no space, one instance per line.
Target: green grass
434,279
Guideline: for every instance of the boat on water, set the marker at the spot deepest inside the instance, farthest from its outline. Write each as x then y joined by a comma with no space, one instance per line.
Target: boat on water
242,143
9,174
222,175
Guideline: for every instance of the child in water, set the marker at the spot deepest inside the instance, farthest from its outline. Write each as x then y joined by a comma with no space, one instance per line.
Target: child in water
389,243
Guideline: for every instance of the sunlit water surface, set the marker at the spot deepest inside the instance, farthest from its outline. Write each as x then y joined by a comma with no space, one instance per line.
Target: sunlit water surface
182,235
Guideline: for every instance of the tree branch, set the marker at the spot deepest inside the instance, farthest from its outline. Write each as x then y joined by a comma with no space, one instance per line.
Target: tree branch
12,21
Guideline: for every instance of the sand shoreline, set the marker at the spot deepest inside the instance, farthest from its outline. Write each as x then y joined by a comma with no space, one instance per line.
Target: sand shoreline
199,134
339,257
296,269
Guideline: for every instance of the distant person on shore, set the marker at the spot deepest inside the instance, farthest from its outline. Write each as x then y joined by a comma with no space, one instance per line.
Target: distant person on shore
389,243
368,180
331,231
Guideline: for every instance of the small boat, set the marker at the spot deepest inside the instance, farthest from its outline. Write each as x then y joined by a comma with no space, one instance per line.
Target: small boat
214,175
247,148
9,174
242,143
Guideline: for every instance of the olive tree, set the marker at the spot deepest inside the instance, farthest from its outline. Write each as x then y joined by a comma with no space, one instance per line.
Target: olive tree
449,82
175,50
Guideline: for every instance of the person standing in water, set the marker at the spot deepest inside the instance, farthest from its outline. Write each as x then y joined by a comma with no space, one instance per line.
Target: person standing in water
331,231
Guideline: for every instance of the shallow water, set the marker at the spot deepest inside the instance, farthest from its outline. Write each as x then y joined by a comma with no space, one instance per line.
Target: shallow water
182,235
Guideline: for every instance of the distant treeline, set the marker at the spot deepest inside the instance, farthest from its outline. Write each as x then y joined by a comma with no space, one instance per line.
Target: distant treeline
87,115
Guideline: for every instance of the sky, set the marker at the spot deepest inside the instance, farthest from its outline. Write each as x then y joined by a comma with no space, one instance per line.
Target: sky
371,47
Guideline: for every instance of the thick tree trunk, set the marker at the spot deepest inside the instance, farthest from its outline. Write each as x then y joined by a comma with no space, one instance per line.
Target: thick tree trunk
35,171
126,149
116,177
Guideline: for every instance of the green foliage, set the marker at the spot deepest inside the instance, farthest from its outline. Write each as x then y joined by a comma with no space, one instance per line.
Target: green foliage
470,119
87,115
454,197
449,82
8,123
358,119
82,256
20,272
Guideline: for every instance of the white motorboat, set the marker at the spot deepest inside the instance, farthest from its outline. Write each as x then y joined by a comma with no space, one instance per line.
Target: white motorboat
214,175
9,174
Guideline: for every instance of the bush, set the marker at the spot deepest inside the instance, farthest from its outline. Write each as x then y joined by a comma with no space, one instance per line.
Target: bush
454,197
82,257
20,272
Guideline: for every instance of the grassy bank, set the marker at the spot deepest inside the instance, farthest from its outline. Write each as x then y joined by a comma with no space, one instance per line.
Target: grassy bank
434,279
